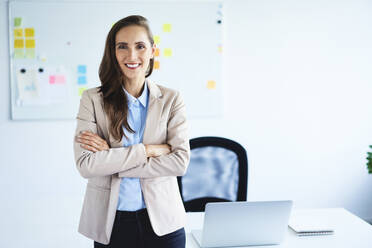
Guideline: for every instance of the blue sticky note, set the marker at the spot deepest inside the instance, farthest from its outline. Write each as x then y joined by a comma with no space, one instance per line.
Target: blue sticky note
82,69
82,80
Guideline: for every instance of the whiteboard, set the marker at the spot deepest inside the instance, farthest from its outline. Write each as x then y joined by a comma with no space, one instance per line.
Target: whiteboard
56,49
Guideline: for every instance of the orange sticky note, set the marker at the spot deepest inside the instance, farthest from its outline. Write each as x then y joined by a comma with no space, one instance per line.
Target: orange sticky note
167,27
157,52
19,43
211,85
18,32
156,39
81,90
30,43
167,52
156,64
29,32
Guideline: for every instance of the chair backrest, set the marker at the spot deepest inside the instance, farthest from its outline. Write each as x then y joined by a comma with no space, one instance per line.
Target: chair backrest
218,172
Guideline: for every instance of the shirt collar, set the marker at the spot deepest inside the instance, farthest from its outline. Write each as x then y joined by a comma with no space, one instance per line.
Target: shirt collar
142,98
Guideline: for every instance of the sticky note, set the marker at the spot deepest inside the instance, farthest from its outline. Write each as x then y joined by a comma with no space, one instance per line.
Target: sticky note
167,52
81,90
30,53
30,43
17,21
156,64
220,48
52,79
211,85
82,80
157,52
156,39
29,32
82,69
60,79
18,32
19,43
19,53
167,27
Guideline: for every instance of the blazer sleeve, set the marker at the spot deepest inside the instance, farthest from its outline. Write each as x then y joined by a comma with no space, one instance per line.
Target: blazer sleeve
174,163
102,163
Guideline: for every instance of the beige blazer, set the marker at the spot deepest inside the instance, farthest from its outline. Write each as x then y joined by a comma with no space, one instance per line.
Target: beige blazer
165,123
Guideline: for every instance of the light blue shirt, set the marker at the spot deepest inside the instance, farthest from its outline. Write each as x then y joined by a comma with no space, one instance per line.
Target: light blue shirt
130,195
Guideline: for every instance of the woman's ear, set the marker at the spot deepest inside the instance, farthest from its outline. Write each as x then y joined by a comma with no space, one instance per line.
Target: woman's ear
153,51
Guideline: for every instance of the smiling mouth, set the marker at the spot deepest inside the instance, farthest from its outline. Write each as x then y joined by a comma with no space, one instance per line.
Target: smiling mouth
132,66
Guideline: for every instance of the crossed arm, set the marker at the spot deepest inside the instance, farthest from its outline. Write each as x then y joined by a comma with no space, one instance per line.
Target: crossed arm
94,157
92,142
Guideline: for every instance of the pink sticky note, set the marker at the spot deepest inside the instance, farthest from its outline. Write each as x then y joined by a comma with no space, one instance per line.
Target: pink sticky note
52,79
60,79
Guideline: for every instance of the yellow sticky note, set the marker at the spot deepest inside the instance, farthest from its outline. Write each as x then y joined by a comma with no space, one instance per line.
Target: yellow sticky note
30,53
167,52
211,85
167,27
30,43
156,39
18,32
81,90
157,52
17,21
19,43
29,32
19,53
156,64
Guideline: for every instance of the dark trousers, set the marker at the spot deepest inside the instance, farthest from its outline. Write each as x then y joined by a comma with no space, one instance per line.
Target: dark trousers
133,229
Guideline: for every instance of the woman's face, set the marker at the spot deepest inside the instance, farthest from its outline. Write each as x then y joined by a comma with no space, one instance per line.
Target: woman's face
133,51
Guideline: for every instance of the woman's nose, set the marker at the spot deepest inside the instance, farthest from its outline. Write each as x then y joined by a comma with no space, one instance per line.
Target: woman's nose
132,54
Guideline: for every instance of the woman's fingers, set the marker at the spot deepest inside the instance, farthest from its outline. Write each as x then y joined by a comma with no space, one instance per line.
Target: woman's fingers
92,141
90,148
88,141
91,136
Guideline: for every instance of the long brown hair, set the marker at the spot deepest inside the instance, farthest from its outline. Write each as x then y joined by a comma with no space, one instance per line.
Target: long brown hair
111,76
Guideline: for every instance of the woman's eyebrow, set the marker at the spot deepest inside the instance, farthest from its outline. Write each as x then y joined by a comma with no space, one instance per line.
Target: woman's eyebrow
121,43
125,43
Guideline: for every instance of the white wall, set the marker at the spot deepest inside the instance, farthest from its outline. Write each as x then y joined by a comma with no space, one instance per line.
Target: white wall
297,93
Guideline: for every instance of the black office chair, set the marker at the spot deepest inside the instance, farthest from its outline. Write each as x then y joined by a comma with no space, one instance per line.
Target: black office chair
218,172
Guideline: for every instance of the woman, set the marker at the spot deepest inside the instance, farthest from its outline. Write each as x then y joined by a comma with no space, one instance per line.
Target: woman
131,143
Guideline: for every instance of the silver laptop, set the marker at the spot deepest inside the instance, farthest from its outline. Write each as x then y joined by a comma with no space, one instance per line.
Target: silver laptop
244,223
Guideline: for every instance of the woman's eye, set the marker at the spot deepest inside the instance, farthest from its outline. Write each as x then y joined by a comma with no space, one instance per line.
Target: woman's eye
141,46
122,47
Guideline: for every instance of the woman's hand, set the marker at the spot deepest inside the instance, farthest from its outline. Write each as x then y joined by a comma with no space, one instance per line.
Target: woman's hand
92,142
157,150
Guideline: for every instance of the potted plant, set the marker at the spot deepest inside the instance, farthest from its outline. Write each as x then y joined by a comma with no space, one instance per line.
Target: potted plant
369,163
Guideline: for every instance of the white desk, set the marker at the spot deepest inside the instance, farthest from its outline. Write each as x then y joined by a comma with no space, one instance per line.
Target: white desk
350,231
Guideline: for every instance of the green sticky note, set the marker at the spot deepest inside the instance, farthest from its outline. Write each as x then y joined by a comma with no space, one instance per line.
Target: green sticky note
19,53
30,53
81,90
156,39
17,21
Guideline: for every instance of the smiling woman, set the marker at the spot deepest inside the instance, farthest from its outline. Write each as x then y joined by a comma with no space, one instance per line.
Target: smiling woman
131,143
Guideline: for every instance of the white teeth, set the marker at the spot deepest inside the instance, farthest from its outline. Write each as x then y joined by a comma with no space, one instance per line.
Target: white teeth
132,65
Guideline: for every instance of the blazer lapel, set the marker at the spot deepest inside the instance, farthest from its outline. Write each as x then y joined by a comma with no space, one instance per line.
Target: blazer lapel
154,111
